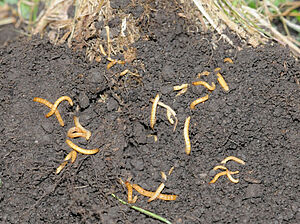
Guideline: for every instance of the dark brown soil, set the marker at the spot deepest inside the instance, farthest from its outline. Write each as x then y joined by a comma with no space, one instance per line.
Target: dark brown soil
257,121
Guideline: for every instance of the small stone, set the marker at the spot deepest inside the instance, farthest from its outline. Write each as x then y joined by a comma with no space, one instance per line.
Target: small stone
253,191
137,164
166,89
112,104
96,76
198,69
83,100
212,173
203,175
139,132
47,126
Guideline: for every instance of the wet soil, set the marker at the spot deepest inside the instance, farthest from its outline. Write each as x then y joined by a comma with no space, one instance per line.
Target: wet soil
257,120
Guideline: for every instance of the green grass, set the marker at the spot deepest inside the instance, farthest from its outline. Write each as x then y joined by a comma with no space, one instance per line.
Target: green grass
148,213
27,9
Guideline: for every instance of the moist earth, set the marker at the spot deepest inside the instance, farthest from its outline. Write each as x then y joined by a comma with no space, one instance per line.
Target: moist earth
257,120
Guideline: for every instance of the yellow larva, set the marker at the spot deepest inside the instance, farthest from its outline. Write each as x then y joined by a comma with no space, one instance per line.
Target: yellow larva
50,105
82,129
234,159
206,85
61,167
81,150
206,73
163,175
183,86
157,192
220,167
146,193
228,173
153,111
231,178
200,100
217,177
228,60
186,135
57,102
75,132
129,187
222,82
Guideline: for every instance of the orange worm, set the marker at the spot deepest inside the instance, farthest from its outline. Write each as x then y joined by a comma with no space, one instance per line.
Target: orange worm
206,73
124,72
129,187
217,177
81,150
222,82
183,86
57,102
82,129
217,69
227,172
69,156
231,178
61,167
200,100
146,193
171,170
163,175
72,155
110,64
170,113
75,133
186,135
182,92
113,62
50,105
234,159
220,167
228,60
206,85
43,101
153,111
102,50
157,192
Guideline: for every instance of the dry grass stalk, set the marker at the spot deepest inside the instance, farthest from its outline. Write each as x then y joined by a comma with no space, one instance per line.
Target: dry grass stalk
220,12
56,11
277,35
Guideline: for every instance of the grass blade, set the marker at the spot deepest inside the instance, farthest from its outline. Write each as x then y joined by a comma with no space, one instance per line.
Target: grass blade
143,211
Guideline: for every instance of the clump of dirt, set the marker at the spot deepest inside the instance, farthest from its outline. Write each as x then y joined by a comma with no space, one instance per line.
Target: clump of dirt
257,121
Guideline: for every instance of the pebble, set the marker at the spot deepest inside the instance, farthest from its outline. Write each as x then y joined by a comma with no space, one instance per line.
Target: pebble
139,132
166,89
253,191
137,164
168,72
47,126
96,76
203,175
111,104
83,100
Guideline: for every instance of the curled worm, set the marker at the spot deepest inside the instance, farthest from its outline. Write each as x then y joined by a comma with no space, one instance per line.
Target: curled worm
200,100
146,193
57,102
50,105
81,150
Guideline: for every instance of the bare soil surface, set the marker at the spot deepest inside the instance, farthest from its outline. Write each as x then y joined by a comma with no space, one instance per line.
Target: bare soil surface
257,120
